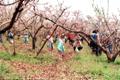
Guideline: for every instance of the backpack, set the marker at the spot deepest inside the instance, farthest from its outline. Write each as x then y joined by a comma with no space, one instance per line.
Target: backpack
94,37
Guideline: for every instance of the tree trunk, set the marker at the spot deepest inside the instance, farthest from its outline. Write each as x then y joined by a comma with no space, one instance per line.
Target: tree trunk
112,59
33,43
14,47
46,41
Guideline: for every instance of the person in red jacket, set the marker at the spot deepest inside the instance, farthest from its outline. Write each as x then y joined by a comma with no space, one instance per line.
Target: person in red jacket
71,38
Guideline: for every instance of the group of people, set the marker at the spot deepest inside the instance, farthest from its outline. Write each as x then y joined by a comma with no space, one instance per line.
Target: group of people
10,37
76,42
61,39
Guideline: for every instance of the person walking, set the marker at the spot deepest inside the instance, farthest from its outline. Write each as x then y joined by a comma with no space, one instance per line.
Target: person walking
60,46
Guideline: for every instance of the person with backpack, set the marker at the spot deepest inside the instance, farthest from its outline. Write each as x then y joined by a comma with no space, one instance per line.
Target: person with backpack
94,41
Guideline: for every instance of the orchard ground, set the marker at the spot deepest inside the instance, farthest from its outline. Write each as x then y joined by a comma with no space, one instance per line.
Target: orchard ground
49,66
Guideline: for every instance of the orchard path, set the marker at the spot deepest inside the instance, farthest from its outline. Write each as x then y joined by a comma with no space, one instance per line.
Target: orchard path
57,71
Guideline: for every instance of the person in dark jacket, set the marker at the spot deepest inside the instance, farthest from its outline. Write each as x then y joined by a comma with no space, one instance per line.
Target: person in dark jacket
94,41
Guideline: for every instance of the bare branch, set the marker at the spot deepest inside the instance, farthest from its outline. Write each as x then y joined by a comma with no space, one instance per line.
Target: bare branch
9,4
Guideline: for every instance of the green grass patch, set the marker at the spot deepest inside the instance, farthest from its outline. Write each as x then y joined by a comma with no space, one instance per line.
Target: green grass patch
96,67
42,59
82,63
7,73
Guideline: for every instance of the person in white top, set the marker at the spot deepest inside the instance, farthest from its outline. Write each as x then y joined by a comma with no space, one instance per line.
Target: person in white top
50,42
26,37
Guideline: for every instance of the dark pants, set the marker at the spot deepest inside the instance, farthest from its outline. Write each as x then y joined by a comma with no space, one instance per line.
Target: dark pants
79,48
71,41
95,48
